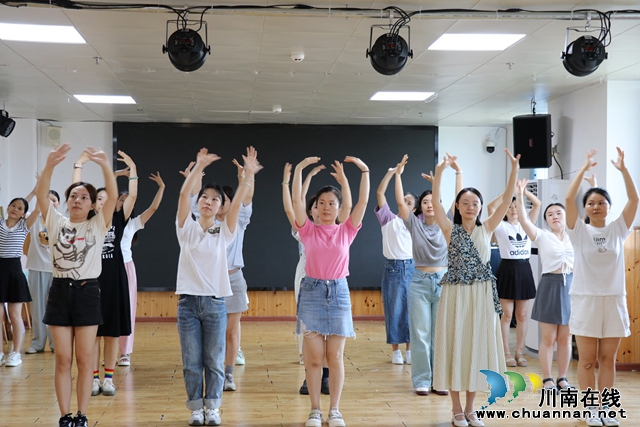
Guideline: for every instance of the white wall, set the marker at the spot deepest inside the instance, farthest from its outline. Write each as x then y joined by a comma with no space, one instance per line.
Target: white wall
623,130
25,152
485,171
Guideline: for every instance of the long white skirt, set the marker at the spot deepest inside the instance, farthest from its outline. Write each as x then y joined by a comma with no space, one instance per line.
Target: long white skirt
468,338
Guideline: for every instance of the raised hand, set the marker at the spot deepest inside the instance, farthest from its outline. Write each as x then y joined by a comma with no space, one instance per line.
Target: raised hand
454,164
338,172
58,154
187,171
251,164
589,162
317,170
400,166
286,177
122,172
126,159
156,177
619,163
515,161
308,161
98,156
521,186
591,180
362,165
428,176
444,164
204,158
84,158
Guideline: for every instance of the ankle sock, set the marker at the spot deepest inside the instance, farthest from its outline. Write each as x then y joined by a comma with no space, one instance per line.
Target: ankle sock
108,374
228,370
96,375
325,373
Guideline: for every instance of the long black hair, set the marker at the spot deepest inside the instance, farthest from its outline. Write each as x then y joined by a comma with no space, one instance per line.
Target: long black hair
598,190
424,194
329,189
24,202
93,195
457,218
513,199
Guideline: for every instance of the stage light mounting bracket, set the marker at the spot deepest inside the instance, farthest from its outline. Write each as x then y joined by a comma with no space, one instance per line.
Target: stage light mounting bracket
7,124
185,47
390,51
584,55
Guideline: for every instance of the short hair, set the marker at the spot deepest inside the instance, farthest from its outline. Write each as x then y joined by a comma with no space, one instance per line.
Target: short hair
93,194
216,188
457,218
228,191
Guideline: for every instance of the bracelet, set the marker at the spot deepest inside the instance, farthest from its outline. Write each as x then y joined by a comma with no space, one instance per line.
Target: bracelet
365,171
246,183
459,173
77,165
285,183
131,178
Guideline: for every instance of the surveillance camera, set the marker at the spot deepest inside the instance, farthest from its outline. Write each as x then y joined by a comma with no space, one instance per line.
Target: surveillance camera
490,146
277,109
297,57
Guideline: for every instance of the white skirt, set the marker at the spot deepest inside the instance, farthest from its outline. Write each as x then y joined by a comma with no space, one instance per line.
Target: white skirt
468,338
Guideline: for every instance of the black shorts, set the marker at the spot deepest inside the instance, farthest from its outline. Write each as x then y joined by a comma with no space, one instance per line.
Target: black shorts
73,303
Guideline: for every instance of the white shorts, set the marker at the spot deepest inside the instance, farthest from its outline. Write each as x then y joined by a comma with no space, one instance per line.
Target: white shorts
599,316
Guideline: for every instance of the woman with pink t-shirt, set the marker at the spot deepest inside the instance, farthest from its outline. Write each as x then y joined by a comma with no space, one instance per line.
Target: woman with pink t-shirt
324,304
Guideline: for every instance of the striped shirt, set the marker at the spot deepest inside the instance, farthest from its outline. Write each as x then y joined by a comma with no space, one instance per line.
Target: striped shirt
12,239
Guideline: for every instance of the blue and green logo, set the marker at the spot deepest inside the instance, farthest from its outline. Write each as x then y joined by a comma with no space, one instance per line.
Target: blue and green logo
499,387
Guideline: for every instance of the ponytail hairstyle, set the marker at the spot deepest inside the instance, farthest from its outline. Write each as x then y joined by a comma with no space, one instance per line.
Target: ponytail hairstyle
598,190
329,189
457,218
544,214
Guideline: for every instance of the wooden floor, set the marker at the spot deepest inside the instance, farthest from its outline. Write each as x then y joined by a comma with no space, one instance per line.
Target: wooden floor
151,391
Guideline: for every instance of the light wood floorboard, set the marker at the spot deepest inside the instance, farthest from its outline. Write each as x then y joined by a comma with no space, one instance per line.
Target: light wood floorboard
151,391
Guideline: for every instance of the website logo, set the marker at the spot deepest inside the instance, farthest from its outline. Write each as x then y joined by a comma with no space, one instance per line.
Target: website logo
499,387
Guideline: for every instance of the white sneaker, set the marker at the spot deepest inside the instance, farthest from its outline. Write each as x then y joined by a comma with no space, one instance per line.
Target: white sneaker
125,360
3,359
396,358
229,385
32,350
14,359
197,417
240,357
609,422
108,389
407,357
335,418
315,419
301,360
593,420
97,388
212,417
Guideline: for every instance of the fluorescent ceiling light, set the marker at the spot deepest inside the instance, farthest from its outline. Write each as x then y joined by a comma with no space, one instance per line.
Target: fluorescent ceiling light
105,99
40,33
401,96
475,41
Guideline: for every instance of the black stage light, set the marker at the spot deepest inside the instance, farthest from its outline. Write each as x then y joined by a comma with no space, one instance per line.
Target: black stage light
187,51
6,124
389,54
583,56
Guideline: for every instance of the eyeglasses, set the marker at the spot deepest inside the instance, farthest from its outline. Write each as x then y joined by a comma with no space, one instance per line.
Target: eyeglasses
468,205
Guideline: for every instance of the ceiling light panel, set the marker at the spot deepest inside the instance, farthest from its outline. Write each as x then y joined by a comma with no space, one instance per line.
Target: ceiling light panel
475,42
105,99
401,96
40,33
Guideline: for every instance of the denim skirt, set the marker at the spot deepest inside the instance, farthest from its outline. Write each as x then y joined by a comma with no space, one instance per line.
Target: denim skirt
324,307
395,299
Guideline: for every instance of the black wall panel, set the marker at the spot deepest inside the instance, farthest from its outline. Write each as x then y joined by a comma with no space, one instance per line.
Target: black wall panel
270,253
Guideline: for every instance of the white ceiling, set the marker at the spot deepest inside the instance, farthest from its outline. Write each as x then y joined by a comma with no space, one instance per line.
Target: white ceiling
250,68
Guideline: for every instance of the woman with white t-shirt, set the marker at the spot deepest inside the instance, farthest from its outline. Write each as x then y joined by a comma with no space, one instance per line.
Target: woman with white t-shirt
552,306
134,224
599,316
203,283
514,276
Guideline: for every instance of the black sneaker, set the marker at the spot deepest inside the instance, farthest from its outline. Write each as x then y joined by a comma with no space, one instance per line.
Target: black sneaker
304,389
65,421
324,388
80,420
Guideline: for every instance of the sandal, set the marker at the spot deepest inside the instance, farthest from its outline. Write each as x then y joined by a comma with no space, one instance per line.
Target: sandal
522,362
511,362
549,387
566,384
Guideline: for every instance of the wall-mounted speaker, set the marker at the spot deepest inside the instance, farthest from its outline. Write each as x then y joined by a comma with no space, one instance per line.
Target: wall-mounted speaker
52,135
532,140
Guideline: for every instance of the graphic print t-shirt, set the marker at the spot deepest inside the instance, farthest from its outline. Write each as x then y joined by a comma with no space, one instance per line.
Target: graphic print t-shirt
513,241
76,247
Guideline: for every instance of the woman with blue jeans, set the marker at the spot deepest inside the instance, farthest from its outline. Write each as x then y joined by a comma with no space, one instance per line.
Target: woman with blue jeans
398,270
202,284
430,257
